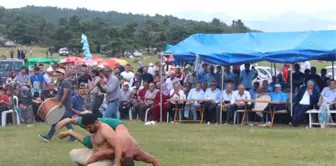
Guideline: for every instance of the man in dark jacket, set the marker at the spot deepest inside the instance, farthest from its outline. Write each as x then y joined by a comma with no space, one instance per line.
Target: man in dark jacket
306,99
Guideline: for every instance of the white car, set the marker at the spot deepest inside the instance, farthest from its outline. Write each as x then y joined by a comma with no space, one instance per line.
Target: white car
63,52
329,71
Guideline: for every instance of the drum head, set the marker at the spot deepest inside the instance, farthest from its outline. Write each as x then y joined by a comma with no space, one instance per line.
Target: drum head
55,115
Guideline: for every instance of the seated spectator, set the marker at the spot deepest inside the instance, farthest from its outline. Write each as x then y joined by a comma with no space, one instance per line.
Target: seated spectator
78,103
226,97
306,99
136,78
238,101
254,92
176,93
171,81
36,94
124,101
157,104
141,97
25,102
328,95
22,79
10,79
194,94
278,98
213,94
37,77
50,93
149,100
4,101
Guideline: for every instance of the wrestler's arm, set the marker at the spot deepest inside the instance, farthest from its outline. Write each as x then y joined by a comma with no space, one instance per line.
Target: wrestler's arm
66,121
70,132
109,135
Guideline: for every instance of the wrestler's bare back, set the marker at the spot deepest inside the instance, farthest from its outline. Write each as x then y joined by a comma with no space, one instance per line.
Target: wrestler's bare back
129,146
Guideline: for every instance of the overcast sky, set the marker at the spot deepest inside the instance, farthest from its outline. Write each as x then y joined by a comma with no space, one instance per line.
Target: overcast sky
234,8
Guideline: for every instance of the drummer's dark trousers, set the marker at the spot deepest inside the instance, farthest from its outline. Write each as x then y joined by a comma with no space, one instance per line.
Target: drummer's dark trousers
98,101
52,129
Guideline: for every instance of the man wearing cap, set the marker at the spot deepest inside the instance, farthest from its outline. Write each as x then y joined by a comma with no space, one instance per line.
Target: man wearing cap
278,98
151,69
63,95
125,103
48,76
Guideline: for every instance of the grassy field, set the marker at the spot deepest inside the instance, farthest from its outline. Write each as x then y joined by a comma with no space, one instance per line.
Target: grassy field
186,145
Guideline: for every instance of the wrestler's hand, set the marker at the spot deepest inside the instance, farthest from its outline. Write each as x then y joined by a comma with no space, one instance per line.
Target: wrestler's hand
65,134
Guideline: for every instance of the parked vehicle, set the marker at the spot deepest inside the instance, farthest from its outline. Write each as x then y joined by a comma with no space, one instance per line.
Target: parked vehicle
329,71
63,52
8,65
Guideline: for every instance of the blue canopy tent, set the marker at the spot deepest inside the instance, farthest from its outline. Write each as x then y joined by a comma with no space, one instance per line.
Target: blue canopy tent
281,47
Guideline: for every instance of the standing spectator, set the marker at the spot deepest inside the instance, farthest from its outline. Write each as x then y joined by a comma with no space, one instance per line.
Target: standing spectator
117,73
246,77
4,101
324,77
10,79
25,102
298,78
188,78
31,52
305,65
218,77
124,101
146,76
85,77
37,77
127,74
97,93
112,93
202,74
171,80
229,77
209,77
151,69
317,78
22,79
210,107
236,70
11,52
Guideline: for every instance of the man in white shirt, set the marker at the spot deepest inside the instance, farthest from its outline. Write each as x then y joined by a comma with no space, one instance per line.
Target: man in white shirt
127,74
238,101
306,99
48,76
151,69
176,93
210,107
171,80
226,97
194,94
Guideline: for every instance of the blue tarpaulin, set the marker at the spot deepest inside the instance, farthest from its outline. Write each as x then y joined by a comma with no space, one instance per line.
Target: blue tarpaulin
281,47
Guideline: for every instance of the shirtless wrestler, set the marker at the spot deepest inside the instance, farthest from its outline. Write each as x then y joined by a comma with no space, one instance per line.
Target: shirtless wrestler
105,139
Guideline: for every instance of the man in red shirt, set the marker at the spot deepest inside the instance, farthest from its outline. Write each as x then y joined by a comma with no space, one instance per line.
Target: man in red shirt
141,97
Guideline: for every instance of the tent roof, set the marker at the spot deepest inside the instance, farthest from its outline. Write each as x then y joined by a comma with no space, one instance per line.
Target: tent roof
284,47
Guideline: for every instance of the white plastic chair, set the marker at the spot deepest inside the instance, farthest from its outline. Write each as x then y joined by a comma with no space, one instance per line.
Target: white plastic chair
236,115
130,114
146,115
4,114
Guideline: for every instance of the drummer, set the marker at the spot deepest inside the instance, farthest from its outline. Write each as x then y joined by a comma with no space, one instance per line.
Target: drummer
64,96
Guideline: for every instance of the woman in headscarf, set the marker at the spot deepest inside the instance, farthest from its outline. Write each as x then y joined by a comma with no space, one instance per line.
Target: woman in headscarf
25,102
158,104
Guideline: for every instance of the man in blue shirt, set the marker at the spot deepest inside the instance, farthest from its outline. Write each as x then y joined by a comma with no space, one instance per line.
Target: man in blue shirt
78,102
37,77
246,77
278,98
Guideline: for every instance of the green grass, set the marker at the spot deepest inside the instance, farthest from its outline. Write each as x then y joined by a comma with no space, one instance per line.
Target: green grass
186,145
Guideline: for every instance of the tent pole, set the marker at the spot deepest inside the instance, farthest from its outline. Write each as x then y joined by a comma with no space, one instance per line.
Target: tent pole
333,69
161,80
221,102
275,73
291,90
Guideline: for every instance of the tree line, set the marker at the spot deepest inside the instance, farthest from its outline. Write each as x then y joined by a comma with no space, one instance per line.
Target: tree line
56,27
